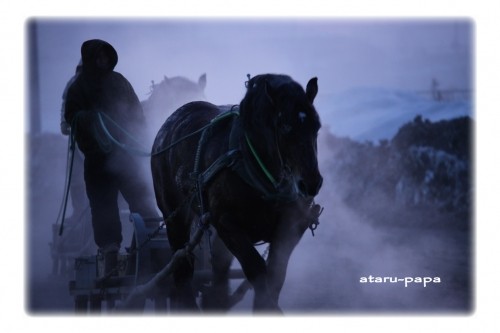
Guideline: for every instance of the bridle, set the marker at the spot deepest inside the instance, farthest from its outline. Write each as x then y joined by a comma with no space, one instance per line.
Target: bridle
252,169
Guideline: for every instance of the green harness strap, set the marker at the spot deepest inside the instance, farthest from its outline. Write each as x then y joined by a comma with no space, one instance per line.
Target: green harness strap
261,164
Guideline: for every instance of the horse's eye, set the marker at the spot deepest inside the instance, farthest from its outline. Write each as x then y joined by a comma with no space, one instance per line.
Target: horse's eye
302,116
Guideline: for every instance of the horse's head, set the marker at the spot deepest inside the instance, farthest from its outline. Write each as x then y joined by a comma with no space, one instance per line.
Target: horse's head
284,124
171,93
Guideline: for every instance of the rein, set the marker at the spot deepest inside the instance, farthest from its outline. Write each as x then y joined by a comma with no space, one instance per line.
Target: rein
261,164
257,175
118,143
232,159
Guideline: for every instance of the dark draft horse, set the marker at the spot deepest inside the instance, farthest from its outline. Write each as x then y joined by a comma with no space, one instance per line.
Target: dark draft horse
264,194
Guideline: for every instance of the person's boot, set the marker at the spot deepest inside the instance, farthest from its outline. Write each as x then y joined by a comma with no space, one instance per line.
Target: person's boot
110,254
111,263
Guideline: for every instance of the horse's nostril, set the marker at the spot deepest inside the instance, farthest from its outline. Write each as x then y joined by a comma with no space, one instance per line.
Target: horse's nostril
302,187
312,189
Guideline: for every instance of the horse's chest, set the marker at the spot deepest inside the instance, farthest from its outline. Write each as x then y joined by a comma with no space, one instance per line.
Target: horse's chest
257,220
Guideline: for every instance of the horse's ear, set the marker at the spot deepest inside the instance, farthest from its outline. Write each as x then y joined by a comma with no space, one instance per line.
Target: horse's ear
202,81
312,89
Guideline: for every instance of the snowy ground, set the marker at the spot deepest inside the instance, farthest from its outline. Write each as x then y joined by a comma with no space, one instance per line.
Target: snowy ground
374,113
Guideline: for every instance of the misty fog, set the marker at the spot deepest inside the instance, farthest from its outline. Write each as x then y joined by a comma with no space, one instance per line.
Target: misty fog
325,269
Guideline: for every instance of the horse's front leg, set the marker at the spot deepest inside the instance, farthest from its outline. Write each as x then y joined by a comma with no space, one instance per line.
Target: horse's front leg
183,296
253,265
216,298
288,233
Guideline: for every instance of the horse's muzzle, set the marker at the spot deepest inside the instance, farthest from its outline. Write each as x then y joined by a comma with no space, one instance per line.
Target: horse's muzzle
310,189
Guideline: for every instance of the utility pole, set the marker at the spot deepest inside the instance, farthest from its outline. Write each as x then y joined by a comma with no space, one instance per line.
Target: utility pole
33,77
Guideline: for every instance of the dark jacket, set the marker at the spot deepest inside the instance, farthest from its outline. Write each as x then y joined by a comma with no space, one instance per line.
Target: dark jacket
107,92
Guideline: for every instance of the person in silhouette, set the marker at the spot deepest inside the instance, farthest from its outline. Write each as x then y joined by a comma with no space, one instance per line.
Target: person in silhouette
107,121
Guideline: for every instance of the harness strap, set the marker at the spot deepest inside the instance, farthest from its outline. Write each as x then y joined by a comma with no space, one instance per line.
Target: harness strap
225,161
261,164
269,188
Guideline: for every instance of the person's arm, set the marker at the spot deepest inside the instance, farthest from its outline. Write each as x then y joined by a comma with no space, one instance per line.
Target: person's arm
73,103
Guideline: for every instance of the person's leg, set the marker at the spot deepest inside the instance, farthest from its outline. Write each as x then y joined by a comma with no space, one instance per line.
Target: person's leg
136,189
102,192
78,196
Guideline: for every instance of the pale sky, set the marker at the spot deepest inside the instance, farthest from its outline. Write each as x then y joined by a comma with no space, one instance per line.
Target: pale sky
396,54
